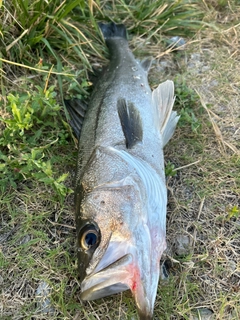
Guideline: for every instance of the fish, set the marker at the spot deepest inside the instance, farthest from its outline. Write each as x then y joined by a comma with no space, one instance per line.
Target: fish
120,185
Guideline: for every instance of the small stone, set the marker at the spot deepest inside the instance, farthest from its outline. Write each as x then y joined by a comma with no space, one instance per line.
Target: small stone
43,293
213,83
164,65
232,265
205,68
203,314
182,245
196,57
177,42
194,62
25,239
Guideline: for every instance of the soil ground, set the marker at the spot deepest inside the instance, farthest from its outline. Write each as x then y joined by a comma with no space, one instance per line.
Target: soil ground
203,231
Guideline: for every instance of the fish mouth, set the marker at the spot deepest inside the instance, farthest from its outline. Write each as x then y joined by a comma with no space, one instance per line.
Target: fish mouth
107,281
120,275
110,274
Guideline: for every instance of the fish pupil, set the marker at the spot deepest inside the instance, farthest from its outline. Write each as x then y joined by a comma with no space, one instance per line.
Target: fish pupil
89,236
90,239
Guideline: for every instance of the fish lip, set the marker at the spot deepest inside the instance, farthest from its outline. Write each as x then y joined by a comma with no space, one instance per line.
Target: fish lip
118,277
123,267
94,282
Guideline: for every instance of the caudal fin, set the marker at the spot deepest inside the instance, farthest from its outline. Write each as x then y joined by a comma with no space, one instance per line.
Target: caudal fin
166,119
112,30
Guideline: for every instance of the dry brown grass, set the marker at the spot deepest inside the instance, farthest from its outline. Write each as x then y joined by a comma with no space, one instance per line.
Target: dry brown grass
37,237
205,198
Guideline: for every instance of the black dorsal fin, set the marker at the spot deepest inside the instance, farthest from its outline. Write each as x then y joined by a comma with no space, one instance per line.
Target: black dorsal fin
76,109
131,122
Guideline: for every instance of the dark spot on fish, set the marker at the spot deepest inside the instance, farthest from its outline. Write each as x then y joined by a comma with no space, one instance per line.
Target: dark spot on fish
102,202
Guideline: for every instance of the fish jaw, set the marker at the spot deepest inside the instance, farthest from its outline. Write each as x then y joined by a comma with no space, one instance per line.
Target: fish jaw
130,271
132,221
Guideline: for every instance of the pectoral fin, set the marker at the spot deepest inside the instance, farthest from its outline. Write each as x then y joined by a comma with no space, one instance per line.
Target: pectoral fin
76,109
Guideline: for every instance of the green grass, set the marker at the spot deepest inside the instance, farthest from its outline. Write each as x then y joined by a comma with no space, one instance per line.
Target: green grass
32,126
63,37
46,57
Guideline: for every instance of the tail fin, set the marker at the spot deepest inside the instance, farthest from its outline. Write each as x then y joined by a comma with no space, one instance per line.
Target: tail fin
112,30
166,119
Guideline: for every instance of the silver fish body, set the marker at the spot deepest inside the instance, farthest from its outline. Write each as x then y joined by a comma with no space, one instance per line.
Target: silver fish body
121,196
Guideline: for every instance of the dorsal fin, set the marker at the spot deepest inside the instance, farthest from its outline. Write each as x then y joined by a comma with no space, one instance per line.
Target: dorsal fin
163,100
76,109
170,127
131,122
146,64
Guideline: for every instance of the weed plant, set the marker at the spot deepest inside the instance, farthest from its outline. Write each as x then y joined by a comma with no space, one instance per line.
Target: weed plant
46,51
32,125
61,39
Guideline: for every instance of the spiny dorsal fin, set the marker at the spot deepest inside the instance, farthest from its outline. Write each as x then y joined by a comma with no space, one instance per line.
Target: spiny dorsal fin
131,122
163,100
76,109
146,64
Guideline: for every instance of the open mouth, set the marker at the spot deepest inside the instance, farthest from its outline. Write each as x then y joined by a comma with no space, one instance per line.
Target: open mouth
117,277
112,279
121,269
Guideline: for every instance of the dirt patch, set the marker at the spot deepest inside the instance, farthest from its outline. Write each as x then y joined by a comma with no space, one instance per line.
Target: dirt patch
37,237
204,198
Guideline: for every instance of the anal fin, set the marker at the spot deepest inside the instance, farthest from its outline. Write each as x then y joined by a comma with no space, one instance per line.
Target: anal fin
131,122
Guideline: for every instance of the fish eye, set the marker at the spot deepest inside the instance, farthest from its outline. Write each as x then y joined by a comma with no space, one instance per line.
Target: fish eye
89,237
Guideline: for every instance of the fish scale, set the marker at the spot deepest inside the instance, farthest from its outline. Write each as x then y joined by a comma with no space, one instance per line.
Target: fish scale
120,193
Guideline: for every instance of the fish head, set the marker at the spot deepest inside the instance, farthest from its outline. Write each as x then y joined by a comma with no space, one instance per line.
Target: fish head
119,247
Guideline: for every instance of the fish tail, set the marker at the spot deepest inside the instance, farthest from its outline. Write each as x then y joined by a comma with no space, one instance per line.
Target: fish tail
112,30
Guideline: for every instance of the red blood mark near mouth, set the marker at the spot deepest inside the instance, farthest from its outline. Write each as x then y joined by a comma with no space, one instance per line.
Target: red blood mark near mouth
134,285
135,276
